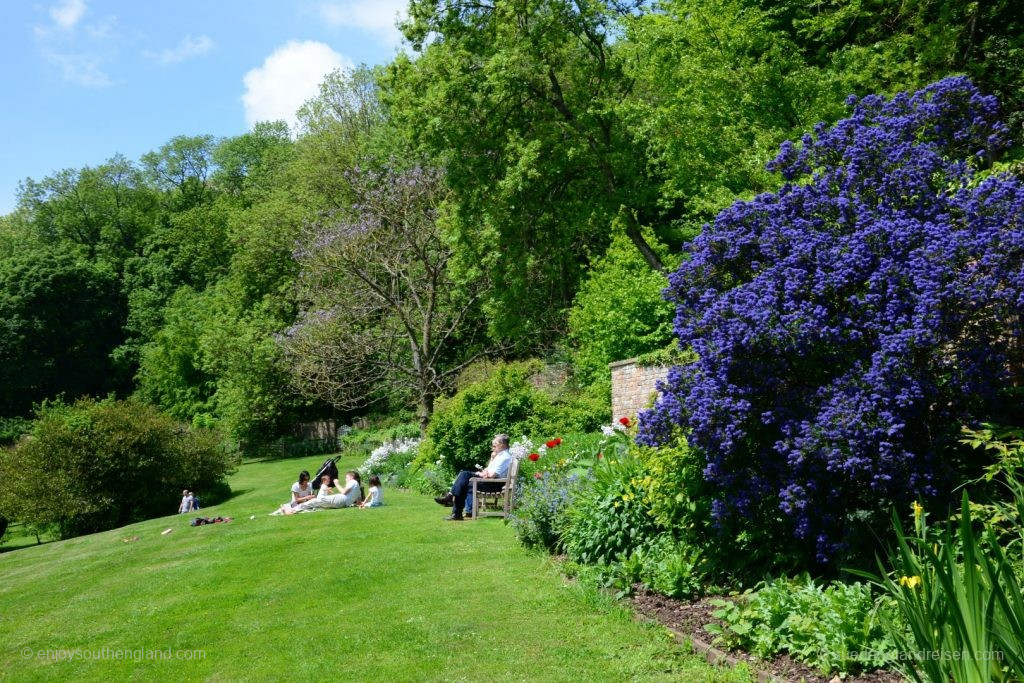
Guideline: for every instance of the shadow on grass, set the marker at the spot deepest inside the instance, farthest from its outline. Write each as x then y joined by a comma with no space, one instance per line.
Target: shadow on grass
253,459
24,542
235,493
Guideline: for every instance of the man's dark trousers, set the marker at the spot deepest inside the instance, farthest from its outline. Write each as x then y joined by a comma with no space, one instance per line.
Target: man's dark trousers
461,488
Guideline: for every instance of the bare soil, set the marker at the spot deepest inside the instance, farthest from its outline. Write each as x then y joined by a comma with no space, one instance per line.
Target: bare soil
689,618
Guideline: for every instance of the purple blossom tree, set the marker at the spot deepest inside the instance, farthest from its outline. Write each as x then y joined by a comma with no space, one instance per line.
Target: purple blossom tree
380,316
848,324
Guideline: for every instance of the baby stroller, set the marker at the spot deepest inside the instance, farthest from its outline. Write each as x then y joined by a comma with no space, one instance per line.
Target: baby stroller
330,468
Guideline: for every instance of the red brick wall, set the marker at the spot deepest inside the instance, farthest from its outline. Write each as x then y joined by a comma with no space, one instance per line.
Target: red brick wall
633,387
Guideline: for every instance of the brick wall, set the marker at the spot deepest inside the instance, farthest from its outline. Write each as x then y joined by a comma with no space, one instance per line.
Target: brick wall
633,387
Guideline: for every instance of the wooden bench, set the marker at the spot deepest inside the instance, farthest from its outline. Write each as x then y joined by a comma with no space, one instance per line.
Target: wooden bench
501,501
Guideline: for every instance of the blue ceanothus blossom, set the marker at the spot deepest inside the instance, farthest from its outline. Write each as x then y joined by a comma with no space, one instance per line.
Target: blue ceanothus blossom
848,324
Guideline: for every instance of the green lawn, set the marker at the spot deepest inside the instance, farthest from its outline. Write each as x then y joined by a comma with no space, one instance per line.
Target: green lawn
392,593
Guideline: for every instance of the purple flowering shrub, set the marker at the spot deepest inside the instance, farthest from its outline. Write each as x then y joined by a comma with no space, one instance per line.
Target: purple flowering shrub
848,324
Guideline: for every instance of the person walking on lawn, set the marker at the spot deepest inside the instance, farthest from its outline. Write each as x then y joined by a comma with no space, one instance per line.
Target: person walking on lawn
497,468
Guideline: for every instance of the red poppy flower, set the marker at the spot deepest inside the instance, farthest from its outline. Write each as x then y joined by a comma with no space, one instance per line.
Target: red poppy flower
538,475
624,421
551,444
534,457
558,442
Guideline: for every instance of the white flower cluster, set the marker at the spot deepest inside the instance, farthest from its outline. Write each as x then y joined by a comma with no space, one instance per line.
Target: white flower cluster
381,453
522,447
609,430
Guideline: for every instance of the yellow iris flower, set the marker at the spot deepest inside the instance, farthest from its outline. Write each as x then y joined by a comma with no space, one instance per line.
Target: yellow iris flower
910,581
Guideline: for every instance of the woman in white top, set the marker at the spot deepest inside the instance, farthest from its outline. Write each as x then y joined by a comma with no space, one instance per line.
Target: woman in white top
349,494
375,496
302,491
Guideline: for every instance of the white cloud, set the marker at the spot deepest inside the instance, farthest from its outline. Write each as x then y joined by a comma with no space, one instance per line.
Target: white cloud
373,16
67,13
188,47
80,69
289,76
79,55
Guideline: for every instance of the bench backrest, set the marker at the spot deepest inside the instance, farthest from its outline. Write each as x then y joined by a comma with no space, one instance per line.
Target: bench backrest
513,472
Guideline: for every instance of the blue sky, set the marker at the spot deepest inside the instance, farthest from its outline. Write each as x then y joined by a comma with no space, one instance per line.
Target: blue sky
86,79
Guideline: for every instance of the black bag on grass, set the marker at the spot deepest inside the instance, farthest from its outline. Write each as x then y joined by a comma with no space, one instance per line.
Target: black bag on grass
330,468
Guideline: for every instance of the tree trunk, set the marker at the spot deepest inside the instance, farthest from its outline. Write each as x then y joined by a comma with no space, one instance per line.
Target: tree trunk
634,233
425,410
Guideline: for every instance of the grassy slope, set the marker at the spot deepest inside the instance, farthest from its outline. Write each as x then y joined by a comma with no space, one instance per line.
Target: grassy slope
392,592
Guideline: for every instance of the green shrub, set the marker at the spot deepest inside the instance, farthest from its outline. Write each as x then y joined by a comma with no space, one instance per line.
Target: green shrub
512,398
679,498
463,426
661,564
583,410
96,465
671,568
13,428
834,628
610,517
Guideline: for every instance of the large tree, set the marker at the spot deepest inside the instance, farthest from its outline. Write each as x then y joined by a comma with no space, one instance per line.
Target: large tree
60,318
108,210
518,101
380,312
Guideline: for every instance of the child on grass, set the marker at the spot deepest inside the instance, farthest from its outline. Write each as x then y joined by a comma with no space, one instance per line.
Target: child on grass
325,487
374,499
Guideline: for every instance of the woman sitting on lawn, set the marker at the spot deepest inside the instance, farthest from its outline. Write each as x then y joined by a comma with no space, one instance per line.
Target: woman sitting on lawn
349,494
302,492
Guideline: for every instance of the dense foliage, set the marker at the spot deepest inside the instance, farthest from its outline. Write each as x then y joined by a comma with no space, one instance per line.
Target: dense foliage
60,318
847,324
610,517
619,311
96,465
511,398
464,425
580,146
836,627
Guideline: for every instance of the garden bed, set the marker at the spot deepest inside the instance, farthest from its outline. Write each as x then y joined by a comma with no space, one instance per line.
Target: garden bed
689,618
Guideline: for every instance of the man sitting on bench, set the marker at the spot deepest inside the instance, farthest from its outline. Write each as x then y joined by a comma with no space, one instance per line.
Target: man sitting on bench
497,468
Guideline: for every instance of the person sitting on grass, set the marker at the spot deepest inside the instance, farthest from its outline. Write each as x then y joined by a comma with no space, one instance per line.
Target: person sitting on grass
349,495
497,468
375,496
325,487
302,491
